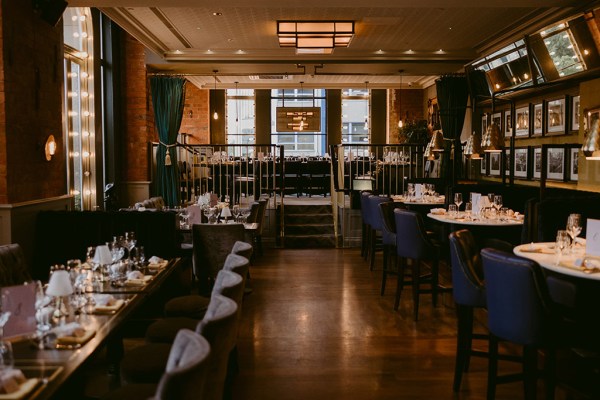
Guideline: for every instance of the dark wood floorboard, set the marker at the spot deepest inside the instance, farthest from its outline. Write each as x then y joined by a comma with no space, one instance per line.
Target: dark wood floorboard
315,327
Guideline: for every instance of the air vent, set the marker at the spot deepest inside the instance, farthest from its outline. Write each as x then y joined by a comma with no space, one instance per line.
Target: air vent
269,77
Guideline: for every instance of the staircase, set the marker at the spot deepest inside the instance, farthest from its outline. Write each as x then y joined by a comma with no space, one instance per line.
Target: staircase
308,226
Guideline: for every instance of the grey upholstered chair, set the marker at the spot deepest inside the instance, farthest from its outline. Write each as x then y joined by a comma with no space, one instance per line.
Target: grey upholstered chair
212,245
219,327
184,377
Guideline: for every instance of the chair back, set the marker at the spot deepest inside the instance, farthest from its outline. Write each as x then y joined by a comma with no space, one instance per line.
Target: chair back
364,196
187,366
467,271
518,302
411,236
261,214
219,327
212,244
253,217
13,267
373,215
243,249
230,285
388,227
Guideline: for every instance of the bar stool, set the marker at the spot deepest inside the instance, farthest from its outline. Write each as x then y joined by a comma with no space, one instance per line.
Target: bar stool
388,238
376,225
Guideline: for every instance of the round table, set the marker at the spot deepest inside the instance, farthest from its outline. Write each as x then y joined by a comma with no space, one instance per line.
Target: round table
439,201
475,222
508,230
544,254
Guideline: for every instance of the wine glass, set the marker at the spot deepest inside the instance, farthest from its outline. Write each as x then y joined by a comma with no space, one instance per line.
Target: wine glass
497,203
235,211
490,197
411,190
562,242
574,227
458,200
41,301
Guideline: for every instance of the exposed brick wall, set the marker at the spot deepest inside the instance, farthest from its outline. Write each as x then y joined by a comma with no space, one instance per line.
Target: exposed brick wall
138,114
196,116
31,103
410,103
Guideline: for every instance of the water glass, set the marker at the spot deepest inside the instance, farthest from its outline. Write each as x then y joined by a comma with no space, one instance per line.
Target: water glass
452,210
468,210
574,227
562,242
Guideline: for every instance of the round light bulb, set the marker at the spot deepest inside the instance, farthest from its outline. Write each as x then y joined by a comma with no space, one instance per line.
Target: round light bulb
215,115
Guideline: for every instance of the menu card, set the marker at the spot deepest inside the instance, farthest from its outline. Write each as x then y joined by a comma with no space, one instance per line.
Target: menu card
592,240
418,190
195,214
20,302
475,203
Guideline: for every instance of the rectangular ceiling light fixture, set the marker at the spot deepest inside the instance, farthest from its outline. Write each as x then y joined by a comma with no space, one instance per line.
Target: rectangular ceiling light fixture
315,37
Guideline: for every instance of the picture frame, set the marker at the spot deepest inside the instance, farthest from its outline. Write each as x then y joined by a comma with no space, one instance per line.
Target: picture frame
575,112
522,122
573,163
591,116
484,123
497,119
555,116
537,162
537,119
484,165
556,163
508,123
521,163
495,163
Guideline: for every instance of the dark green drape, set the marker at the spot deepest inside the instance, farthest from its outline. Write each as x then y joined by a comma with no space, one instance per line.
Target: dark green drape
453,94
168,95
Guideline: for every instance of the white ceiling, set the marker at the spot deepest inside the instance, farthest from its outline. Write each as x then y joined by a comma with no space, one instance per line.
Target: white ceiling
422,39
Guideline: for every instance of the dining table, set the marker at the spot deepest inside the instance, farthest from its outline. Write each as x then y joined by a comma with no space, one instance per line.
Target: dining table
50,365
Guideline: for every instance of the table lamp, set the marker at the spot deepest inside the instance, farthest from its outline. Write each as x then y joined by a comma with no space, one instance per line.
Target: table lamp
59,286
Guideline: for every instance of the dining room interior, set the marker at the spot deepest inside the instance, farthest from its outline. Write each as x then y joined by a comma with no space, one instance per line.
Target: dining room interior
266,200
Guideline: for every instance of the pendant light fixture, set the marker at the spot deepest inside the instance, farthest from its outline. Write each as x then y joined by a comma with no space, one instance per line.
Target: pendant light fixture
215,114
400,122
301,105
473,147
491,142
237,109
591,144
367,105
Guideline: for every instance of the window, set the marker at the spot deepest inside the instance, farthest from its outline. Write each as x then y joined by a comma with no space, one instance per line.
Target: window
299,143
563,50
79,106
355,116
240,118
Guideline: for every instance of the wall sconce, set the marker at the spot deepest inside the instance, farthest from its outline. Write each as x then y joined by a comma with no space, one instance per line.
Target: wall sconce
50,147
591,144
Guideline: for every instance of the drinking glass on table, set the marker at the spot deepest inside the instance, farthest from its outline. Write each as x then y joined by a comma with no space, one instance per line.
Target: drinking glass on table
411,190
563,241
497,203
574,227
6,352
452,211
490,197
468,210
458,200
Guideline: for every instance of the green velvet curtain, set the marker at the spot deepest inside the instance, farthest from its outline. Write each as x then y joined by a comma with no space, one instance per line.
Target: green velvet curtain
168,95
453,94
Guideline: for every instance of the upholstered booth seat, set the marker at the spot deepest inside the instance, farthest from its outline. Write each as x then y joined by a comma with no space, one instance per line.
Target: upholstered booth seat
243,249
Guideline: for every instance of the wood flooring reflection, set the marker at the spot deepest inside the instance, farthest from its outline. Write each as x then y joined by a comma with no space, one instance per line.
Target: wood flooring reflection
315,327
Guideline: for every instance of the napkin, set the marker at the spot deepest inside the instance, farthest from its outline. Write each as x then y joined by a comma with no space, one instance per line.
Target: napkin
72,334
138,282
23,390
135,275
157,263
104,299
11,380
438,211
109,308
155,260
76,340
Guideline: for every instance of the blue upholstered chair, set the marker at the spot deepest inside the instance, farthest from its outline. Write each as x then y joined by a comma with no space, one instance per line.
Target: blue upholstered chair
521,311
388,239
375,221
413,243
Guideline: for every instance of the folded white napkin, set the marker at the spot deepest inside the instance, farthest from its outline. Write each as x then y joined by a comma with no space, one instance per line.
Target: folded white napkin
438,211
135,275
155,260
104,299
70,329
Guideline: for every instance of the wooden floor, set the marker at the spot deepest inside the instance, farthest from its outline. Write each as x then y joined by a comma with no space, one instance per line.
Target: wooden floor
315,327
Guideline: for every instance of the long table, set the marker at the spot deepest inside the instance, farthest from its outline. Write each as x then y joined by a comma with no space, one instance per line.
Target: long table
54,367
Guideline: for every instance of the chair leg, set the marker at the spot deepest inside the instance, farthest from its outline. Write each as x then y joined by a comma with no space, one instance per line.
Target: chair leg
550,373
435,268
400,283
529,372
372,249
386,250
492,368
416,284
463,343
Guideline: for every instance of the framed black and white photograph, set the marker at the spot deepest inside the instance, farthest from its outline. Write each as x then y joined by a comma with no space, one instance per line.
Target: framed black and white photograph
573,163
555,116
521,162
537,162
508,125
522,122
495,163
538,119
575,113
484,123
556,163
484,164
507,165
497,119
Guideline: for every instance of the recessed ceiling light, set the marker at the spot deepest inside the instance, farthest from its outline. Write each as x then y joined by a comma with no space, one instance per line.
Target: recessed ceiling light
217,14
241,51
178,52
450,28
209,51
409,51
379,51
